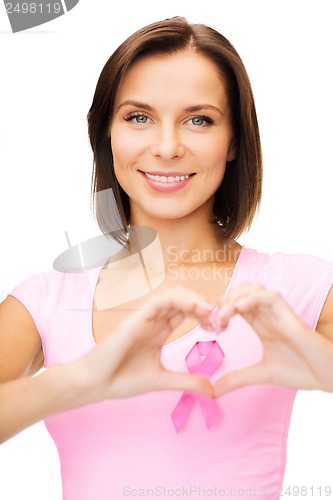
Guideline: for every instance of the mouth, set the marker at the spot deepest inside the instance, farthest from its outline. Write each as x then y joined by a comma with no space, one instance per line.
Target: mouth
175,177
170,183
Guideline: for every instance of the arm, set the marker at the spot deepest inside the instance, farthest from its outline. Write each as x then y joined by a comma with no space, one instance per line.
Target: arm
325,323
125,364
293,355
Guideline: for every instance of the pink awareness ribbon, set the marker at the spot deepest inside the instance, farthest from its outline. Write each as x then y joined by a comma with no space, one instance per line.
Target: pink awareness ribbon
213,356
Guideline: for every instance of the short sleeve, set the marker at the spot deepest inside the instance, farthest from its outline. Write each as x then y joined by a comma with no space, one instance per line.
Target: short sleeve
30,294
306,282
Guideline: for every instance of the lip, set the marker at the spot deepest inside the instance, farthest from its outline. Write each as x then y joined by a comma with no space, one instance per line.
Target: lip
167,174
167,187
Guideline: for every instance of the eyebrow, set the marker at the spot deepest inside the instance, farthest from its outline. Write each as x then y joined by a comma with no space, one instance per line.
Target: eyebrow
190,109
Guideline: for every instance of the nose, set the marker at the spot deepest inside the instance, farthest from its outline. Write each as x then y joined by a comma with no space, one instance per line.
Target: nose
167,143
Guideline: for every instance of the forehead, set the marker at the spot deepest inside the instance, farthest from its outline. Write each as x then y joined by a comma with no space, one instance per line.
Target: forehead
173,77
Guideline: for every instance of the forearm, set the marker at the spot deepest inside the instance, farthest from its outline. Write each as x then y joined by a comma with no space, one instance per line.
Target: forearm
23,402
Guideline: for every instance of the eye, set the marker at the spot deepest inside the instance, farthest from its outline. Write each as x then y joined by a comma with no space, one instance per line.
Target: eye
200,121
137,117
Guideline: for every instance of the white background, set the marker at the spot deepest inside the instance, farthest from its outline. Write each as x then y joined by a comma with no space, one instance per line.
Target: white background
48,76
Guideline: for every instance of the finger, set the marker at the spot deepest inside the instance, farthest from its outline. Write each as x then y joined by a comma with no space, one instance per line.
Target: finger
180,300
247,303
243,300
255,374
226,306
185,382
240,291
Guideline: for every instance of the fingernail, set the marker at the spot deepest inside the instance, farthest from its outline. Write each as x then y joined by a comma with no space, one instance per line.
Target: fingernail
206,325
215,322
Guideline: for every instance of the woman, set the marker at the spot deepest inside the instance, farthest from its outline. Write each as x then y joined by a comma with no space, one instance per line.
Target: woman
174,133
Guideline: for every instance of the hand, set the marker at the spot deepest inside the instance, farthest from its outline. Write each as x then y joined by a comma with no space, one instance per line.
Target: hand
128,361
125,364
293,355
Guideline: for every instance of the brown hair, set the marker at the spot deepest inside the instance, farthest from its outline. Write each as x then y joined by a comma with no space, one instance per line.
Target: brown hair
237,198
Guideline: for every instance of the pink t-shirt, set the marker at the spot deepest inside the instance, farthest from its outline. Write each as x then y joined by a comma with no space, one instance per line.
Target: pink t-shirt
129,447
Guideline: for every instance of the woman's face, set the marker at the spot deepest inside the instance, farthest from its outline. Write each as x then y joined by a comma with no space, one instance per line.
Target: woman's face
171,136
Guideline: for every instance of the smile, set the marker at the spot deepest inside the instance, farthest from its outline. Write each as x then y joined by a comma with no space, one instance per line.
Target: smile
163,178
167,183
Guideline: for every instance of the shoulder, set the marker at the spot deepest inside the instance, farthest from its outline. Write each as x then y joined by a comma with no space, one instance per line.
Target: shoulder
304,281
279,265
44,292
42,284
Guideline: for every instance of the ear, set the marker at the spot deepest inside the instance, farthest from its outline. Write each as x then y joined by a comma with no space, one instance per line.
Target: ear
232,151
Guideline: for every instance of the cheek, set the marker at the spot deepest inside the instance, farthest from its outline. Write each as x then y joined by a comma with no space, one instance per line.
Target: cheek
214,148
214,167
213,161
118,148
126,148
119,158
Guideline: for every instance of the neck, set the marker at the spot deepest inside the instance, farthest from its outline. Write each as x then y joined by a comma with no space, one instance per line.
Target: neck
172,252
185,241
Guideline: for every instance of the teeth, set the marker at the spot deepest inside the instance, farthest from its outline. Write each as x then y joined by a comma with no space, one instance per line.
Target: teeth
163,178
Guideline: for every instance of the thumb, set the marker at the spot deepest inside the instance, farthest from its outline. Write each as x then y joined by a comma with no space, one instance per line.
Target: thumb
185,382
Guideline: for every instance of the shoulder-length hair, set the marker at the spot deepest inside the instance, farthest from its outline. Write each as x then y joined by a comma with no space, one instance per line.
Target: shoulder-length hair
237,198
